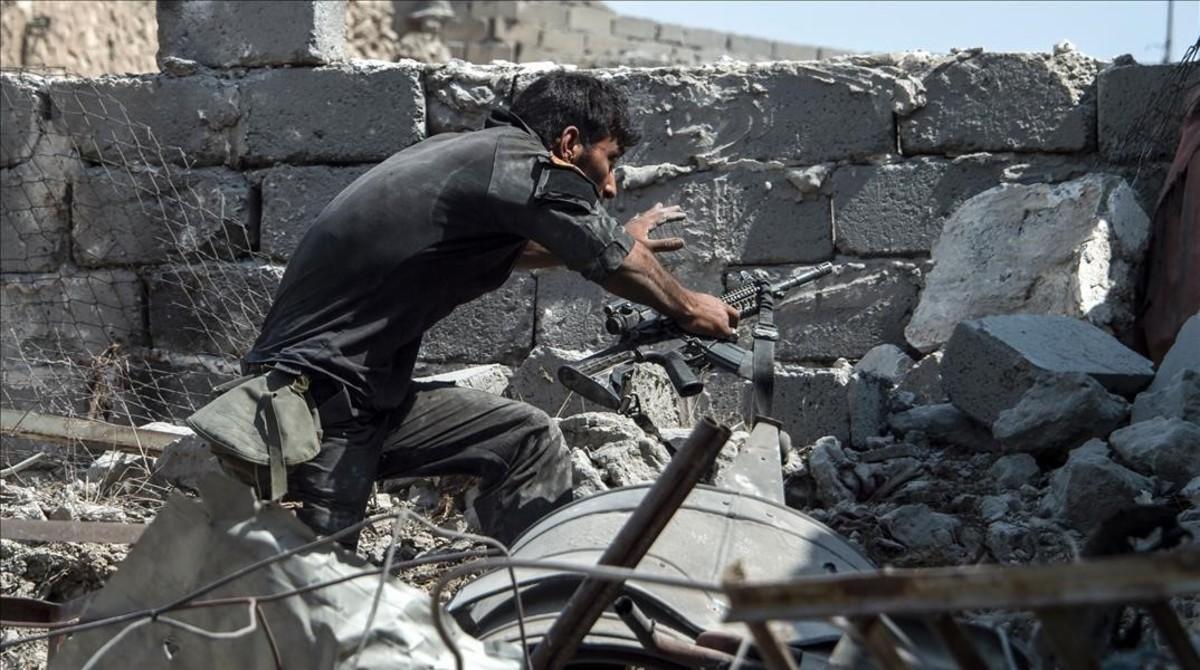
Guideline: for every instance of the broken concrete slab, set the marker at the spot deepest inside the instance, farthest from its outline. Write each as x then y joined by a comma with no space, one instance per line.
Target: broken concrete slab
811,402
1135,99
210,308
252,33
970,106
886,361
148,120
780,111
1059,411
151,215
1179,399
924,380
1013,471
357,113
495,328
292,197
828,465
34,217
920,528
619,450
459,95
20,116
1167,448
535,381
868,404
991,362
1183,355
942,424
1076,248
1091,487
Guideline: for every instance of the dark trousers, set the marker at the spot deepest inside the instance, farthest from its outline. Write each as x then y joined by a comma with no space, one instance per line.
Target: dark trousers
515,449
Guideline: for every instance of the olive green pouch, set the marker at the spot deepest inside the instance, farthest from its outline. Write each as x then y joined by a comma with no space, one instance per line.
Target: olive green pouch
261,422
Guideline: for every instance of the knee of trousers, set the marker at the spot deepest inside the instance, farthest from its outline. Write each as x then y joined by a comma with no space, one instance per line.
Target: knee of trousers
542,435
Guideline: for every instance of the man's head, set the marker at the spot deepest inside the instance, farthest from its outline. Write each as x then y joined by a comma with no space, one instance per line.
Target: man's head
581,120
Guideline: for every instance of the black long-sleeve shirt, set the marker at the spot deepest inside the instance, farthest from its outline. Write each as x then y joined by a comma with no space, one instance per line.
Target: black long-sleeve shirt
432,227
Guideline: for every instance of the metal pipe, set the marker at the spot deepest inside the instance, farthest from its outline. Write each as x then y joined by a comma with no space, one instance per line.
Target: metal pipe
687,654
631,543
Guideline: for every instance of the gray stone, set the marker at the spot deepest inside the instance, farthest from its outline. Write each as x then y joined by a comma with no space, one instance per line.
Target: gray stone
778,111
1076,250
149,119
1183,355
34,217
811,402
60,388
991,362
535,381
1059,411
924,380
619,450
1191,492
459,95
210,308
847,314
252,33
184,463
292,197
886,361
1013,470
20,109
152,215
828,465
943,424
920,528
997,507
1134,100
971,107
742,217
112,467
1165,448
1179,399
570,311
867,399
491,378
356,113
495,328
657,398
1010,543
1090,488
587,479
56,317
631,26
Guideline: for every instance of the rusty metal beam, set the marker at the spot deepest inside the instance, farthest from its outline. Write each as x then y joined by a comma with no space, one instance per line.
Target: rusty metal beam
1177,637
74,430
29,530
1143,578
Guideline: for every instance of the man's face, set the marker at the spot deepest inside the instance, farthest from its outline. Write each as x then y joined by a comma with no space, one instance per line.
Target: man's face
597,160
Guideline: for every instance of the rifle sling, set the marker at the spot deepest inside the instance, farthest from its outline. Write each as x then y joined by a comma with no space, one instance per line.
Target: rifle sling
763,372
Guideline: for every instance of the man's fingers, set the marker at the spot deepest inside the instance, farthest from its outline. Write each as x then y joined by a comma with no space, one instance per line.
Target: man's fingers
666,244
734,317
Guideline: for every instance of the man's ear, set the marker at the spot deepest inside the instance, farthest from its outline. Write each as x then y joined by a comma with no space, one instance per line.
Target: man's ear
568,146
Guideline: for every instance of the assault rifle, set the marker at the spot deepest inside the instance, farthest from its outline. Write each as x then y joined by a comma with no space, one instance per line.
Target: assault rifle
647,336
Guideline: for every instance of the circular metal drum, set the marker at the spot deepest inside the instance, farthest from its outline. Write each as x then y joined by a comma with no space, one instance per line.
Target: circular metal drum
713,529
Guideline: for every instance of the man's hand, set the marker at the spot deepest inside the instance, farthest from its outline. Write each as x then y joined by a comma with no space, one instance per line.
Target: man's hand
639,227
709,315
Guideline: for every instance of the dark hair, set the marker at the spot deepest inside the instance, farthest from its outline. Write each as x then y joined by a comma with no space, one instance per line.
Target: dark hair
562,99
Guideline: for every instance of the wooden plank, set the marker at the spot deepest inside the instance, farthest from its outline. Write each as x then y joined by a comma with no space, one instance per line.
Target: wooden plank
99,532
1127,579
74,430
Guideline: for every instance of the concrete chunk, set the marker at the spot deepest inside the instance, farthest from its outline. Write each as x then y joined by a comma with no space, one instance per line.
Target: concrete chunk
886,361
34,216
1179,399
458,96
1183,355
292,197
942,424
148,120
778,111
154,214
1165,448
496,328
1013,471
252,33
535,381
1059,412
811,402
742,217
991,362
210,308
1134,100
924,380
1090,488
356,113
971,106
1071,249
55,316
20,112
631,26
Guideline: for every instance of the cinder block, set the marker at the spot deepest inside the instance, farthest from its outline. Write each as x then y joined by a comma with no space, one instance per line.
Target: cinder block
495,328
211,308
544,14
465,29
20,111
590,19
50,388
252,33
811,402
292,197
991,362
154,214
147,120
707,39
737,217
786,51
570,312
352,114
34,216
458,96
753,47
56,316
498,9
1005,102
766,112
670,33
1135,101
845,315
635,28
568,42
492,50
608,50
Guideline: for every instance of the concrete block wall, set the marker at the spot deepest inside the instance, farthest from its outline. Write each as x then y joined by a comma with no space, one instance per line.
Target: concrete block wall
156,213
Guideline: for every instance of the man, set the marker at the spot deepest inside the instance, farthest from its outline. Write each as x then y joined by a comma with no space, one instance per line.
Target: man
434,226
